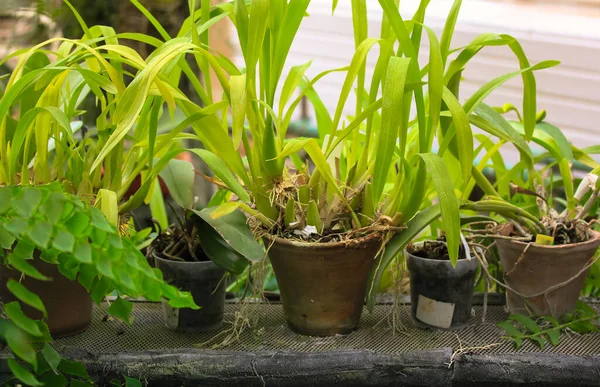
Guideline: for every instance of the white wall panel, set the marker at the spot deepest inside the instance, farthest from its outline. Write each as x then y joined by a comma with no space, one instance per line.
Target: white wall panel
570,93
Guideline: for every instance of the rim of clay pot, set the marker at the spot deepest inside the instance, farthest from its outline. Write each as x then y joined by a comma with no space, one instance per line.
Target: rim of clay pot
157,255
327,245
595,236
473,258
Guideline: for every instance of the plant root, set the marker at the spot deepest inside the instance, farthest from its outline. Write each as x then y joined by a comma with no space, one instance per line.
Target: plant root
247,317
462,350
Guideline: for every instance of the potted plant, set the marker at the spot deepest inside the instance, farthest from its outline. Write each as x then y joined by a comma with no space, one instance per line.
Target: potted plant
545,262
196,254
547,246
62,188
441,293
42,140
373,182
53,243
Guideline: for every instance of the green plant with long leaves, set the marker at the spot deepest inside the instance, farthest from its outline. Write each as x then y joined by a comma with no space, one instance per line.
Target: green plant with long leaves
537,190
375,172
547,200
41,143
40,136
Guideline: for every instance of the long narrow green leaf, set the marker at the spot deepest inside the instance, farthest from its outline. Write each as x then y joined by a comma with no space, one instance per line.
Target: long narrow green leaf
567,176
408,48
222,172
561,140
316,155
155,23
241,23
294,145
385,53
395,246
448,202
448,31
499,122
392,113
464,136
393,15
157,205
292,18
239,102
361,32
257,27
490,86
436,82
291,84
342,134
468,52
323,118
529,87
357,60
135,95
334,5
23,129
80,20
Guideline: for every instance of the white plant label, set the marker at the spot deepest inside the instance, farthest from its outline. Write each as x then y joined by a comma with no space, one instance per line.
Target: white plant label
435,313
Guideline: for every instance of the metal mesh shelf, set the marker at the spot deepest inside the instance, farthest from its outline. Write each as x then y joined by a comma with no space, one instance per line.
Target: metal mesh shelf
375,334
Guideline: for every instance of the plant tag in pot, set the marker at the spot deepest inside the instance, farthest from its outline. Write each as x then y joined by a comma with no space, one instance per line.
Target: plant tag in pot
545,240
435,313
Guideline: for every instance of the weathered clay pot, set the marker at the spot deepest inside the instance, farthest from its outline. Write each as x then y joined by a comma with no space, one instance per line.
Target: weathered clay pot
205,282
543,275
441,296
323,285
68,304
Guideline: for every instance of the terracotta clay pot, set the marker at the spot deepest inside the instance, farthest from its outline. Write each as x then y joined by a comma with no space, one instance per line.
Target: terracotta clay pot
68,304
323,285
543,275
441,296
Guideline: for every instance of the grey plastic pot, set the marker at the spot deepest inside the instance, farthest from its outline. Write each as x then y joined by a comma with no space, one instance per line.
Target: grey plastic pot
204,280
441,296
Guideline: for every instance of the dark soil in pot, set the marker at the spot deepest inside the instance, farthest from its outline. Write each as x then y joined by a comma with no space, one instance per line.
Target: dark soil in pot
194,273
441,295
68,304
550,278
323,285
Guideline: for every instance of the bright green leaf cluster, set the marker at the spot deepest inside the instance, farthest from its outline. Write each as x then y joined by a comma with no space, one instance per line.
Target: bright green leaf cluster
46,223
80,241
548,329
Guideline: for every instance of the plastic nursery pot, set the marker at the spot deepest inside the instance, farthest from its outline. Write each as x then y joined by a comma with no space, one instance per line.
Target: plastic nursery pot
441,295
546,276
323,285
68,304
204,280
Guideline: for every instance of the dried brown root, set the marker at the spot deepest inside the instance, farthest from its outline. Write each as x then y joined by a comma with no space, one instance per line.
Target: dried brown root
247,317
462,350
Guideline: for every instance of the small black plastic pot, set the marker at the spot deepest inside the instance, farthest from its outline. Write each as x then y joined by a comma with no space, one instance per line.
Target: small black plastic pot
204,280
441,296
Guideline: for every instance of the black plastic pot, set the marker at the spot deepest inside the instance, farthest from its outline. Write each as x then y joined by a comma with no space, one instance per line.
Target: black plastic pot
204,280
441,296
